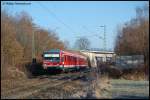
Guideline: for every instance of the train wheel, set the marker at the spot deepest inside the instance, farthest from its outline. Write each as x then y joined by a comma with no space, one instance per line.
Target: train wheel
77,69
66,71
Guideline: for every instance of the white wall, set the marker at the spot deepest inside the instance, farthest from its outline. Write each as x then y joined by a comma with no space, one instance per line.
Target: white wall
92,58
104,56
93,55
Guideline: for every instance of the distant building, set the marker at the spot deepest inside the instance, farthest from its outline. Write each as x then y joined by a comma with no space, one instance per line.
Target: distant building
122,62
99,56
104,56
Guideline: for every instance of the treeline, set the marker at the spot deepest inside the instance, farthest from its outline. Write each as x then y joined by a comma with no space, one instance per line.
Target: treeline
16,40
133,37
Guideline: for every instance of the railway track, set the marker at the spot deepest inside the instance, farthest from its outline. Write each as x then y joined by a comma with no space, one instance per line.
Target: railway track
47,81
64,75
26,86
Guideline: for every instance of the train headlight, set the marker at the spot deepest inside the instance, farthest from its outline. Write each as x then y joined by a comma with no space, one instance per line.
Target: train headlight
44,65
61,65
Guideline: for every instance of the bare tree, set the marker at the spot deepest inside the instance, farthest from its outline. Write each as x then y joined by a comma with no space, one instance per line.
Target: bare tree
133,38
16,40
66,44
82,43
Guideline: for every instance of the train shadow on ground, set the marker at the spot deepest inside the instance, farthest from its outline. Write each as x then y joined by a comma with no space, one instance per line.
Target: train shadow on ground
36,69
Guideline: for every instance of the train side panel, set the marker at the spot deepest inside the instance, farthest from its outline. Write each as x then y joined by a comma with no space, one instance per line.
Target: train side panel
67,60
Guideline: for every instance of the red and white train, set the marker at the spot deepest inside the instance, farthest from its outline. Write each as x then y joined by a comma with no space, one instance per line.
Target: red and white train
56,59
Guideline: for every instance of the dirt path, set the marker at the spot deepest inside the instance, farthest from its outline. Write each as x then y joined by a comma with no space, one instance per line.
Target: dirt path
127,89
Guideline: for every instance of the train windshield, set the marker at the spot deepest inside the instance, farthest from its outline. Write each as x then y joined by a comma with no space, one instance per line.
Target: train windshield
52,57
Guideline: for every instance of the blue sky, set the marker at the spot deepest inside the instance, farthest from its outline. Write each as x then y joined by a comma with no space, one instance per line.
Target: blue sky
82,18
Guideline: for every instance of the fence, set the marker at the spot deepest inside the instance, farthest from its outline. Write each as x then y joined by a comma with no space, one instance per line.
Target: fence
126,62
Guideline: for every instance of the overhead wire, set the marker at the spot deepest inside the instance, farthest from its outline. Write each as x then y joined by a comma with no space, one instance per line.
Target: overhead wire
58,19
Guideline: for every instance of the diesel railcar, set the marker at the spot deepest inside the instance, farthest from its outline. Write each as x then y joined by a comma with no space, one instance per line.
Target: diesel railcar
64,60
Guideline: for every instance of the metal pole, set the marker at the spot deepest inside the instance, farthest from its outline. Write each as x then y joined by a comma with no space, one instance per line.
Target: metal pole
104,37
33,48
105,42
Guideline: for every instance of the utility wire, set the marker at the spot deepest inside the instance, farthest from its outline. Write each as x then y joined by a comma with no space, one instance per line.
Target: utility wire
54,15
93,35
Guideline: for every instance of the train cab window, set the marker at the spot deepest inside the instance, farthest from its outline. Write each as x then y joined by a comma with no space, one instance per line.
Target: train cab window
52,57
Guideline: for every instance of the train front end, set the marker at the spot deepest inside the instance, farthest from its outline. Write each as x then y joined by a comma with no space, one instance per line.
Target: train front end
52,60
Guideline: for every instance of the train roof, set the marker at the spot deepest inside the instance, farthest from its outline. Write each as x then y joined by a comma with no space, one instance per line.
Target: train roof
52,50
75,53
70,52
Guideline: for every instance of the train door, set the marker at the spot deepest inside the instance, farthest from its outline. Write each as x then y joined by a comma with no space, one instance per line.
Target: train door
65,60
75,61
62,60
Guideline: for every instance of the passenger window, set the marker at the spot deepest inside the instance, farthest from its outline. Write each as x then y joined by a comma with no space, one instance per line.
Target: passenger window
65,58
62,59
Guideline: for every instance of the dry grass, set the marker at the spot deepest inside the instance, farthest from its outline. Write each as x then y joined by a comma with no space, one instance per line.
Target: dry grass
136,73
110,70
135,76
12,77
102,87
16,73
140,73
